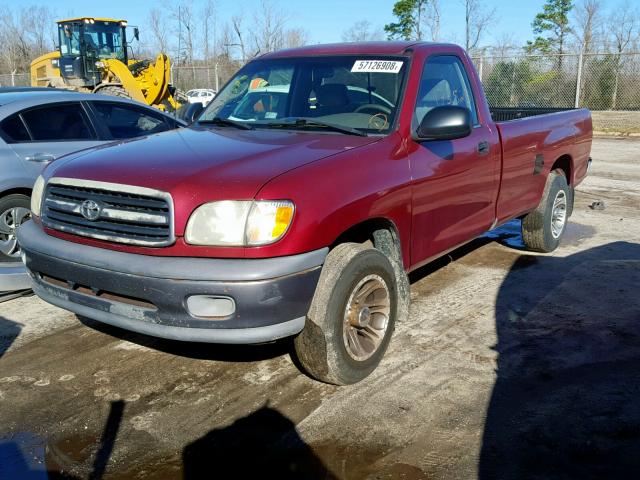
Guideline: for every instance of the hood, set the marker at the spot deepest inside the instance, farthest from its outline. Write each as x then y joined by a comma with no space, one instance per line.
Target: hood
199,165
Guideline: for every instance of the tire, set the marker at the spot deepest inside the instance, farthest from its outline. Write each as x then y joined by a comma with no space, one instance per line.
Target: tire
114,91
12,207
331,348
543,228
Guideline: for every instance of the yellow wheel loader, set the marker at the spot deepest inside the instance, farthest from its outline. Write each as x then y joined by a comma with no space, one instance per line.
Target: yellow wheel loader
93,56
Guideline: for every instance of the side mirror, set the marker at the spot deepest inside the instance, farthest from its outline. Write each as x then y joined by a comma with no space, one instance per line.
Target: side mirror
447,122
190,112
136,33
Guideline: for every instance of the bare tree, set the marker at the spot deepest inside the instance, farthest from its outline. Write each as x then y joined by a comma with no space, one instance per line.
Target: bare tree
236,21
505,45
477,20
295,37
432,20
208,16
623,25
362,31
16,50
587,19
268,31
157,23
183,14
37,23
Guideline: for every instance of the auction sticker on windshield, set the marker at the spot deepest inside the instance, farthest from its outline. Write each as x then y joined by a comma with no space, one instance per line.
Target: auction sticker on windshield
376,66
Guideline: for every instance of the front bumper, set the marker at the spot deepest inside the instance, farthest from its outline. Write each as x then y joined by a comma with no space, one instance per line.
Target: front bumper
148,294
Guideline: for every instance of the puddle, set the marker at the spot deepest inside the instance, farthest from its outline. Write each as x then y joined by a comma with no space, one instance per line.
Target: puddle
22,456
364,461
576,233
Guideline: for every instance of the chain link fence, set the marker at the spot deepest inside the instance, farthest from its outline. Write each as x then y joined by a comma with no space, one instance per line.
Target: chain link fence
15,80
608,84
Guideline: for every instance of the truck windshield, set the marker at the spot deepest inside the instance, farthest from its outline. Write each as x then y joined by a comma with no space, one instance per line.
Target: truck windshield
354,92
101,39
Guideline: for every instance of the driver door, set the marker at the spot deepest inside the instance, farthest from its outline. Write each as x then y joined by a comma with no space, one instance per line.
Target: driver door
455,181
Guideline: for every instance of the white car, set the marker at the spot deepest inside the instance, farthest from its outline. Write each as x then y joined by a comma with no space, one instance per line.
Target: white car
201,95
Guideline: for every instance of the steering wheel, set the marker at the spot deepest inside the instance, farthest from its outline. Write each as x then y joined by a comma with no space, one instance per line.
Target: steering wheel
374,108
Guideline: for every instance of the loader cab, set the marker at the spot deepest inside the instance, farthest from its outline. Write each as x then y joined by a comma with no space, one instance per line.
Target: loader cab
84,43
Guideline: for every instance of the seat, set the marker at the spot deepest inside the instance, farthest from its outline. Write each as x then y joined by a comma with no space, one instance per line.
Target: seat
332,98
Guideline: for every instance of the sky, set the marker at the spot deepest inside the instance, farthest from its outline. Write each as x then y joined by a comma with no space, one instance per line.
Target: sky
325,20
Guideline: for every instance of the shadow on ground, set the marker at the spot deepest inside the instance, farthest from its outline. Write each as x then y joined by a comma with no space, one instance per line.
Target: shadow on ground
9,331
264,443
565,402
200,351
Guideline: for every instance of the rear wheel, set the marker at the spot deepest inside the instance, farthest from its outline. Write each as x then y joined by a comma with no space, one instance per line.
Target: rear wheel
352,316
114,91
14,211
543,228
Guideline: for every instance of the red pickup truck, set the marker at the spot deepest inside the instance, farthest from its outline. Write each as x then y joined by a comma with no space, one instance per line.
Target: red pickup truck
298,201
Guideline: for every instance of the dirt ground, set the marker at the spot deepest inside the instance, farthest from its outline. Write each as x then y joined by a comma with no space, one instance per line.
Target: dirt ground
511,365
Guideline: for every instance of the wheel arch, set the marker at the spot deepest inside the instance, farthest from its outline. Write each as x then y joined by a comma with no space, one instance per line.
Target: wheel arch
17,190
365,231
564,163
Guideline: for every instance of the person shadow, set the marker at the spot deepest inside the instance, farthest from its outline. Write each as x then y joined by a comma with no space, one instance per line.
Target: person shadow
263,444
565,400
9,331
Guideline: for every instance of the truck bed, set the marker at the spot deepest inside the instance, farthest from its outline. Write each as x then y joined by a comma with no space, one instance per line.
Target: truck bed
506,114
531,139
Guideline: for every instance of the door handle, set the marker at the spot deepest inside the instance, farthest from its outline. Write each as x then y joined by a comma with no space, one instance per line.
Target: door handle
483,148
40,157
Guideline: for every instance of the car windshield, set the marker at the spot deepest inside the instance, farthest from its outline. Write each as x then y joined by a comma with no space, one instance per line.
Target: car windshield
356,93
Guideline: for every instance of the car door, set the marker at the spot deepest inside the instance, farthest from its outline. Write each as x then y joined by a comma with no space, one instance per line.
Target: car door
49,132
120,121
455,182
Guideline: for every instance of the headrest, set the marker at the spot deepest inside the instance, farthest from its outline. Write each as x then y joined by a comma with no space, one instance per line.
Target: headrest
332,95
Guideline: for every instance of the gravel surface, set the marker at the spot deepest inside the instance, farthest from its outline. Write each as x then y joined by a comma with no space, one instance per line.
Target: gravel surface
511,365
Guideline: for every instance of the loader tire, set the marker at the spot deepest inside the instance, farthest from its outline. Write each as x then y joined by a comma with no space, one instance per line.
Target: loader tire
543,228
114,91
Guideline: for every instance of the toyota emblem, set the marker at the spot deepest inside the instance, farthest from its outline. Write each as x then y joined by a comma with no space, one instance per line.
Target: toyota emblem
90,210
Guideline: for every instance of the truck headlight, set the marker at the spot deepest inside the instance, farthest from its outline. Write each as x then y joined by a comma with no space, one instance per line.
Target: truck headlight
36,196
239,223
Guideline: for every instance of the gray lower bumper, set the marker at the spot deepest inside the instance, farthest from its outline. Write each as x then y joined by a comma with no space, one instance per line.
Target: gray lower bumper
148,294
13,276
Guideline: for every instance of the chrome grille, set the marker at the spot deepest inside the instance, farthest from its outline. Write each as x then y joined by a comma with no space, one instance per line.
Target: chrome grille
107,211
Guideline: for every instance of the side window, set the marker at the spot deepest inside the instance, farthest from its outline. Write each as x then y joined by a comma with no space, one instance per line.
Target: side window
58,123
125,121
444,82
13,129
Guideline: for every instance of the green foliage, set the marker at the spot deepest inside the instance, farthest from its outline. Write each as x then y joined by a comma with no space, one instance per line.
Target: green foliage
554,22
506,85
408,14
599,82
527,83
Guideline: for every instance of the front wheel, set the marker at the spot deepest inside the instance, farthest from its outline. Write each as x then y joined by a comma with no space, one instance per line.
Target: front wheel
352,316
543,228
14,211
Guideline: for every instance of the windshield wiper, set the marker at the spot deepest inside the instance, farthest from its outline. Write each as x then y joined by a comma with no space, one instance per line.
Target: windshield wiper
223,122
303,122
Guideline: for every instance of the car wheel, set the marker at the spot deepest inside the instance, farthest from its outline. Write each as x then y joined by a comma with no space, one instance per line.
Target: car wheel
352,316
14,211
543,228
